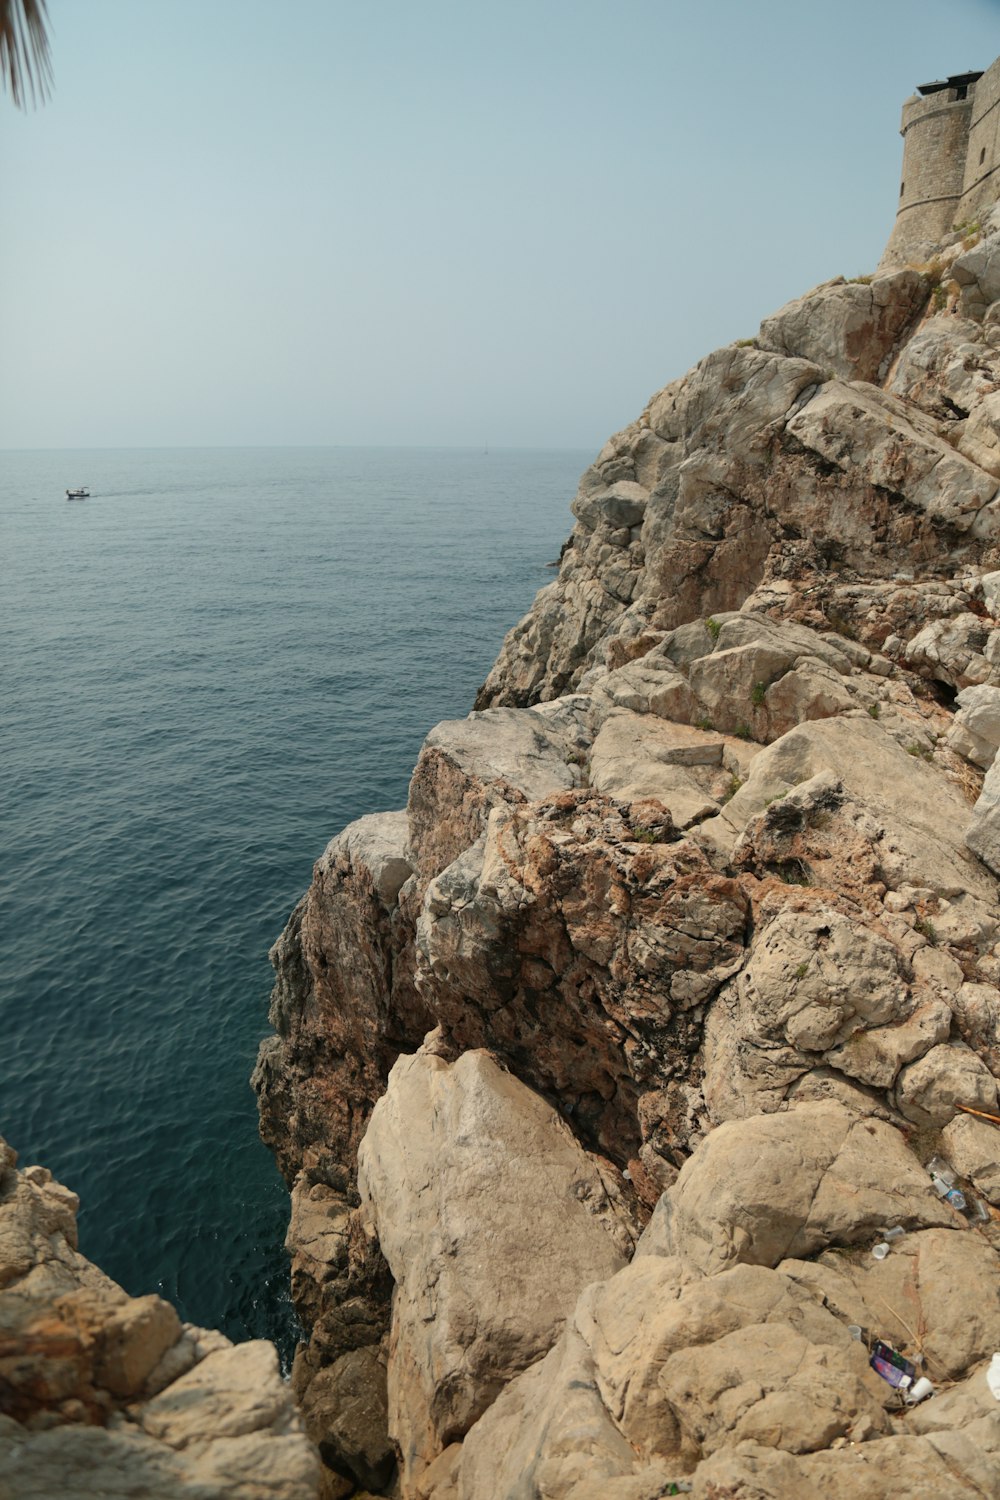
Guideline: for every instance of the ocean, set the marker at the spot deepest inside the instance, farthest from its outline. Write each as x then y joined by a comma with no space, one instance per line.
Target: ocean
210,667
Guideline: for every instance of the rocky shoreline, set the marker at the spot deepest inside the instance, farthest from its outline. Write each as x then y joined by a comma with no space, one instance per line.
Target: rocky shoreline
600,1069
614,1078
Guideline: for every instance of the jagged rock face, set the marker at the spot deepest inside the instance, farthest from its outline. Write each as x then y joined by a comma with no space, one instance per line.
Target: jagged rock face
106,1394
859,433
702,908
581,940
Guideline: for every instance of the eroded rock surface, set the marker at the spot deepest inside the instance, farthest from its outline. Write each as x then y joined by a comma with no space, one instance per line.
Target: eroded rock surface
102,1394
699,913
493,1219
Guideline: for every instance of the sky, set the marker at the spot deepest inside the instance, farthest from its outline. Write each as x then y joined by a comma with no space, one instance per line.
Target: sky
419,222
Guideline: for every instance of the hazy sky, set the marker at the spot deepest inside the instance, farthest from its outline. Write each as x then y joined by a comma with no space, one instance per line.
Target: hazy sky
417,221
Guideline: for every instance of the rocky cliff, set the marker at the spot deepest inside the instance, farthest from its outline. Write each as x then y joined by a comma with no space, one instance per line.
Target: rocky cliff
607,1074
103,1395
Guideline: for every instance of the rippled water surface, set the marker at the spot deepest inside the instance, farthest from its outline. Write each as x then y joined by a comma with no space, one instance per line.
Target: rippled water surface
209,667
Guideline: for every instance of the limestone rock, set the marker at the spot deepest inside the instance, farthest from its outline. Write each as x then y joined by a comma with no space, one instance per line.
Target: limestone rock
657,1368
983,834
573,943
106,1394
492,1219
851,328
761,1189
702,871
936,1295
917,1466
978,274
468,766
973,1148
814,978
975,732
345,1408
852,426
928,1090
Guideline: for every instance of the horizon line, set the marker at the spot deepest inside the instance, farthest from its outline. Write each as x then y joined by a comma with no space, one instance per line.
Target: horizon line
271,447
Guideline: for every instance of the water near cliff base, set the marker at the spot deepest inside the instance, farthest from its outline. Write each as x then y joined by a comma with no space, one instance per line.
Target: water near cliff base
210,666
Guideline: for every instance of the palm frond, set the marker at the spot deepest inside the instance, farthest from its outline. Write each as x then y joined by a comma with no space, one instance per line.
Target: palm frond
25,63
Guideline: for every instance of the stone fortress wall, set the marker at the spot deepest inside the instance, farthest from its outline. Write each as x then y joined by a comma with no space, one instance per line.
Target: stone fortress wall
951,161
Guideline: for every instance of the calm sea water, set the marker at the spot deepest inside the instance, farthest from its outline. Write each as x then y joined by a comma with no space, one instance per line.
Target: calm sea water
209,668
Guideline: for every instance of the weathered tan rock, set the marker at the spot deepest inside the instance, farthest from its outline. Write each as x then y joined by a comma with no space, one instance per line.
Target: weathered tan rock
920,1467
973,1148
573,943
936,1295
492,1220
658,1368
718,875
761,1189
983,832
851,328
923,818
978,274
467,766
877,437
876,1055
112,1396
814,978
975,731
928,1090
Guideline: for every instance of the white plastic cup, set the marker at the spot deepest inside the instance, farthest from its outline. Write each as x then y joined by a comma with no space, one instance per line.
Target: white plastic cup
881,1250
919,1391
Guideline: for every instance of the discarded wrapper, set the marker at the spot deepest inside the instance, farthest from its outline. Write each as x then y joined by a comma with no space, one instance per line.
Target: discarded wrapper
993,1376
892,1366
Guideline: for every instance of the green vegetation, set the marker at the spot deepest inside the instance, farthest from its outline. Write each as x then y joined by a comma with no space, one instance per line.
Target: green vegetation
873,710
860,280
743,732
714,627
926,928
757,696
802,970
971,232
734,785
745,343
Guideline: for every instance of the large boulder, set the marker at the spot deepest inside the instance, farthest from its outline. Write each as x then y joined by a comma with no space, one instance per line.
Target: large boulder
492,1219
761,1189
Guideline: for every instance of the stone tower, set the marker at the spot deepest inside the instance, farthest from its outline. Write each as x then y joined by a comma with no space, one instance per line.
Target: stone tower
951,161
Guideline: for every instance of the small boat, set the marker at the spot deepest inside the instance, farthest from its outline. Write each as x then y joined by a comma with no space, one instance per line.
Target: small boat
81,494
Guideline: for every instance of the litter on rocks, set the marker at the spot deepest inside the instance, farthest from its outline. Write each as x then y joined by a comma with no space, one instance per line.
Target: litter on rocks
881,1250
993,1376
943,1181
918,1392
899,1372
